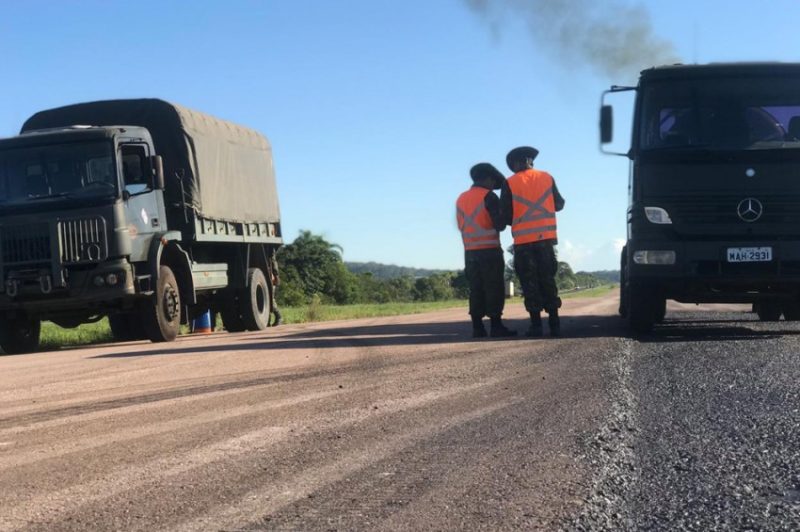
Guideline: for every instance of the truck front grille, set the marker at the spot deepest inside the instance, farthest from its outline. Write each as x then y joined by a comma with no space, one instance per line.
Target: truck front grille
27,244
722,210
82,240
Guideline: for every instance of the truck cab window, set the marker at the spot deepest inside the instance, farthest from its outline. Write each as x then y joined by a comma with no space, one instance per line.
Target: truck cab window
36,181
723,113
134,168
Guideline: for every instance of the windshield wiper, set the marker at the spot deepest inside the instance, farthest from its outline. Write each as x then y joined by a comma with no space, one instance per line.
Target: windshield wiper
47,196
679,147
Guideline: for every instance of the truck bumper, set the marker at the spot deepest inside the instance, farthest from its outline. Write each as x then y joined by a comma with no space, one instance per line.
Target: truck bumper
83,292
702,273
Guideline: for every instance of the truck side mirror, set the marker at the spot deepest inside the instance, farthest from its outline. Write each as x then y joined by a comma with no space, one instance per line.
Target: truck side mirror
606,124
158,172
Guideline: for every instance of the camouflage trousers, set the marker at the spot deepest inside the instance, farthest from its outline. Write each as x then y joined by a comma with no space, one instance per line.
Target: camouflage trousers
536,267
485,270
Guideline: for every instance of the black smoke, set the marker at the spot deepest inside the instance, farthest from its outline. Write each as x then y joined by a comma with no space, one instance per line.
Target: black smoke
614,38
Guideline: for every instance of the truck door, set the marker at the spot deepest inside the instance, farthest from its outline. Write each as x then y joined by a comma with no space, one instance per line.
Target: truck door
144,205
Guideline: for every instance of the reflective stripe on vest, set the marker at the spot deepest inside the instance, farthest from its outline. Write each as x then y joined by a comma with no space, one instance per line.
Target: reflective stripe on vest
534,207
474,222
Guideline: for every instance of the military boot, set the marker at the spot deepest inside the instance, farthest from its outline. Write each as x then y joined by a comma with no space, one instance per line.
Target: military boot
498,330
478,330
535,328
554,323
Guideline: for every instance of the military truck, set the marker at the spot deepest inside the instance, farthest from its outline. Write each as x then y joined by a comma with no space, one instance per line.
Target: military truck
140,210
714,189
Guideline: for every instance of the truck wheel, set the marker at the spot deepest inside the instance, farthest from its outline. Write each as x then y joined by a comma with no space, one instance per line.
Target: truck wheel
643,307
161,315
661,310
769,311
126,326
791,311
229,310
623,291
255,301
20,335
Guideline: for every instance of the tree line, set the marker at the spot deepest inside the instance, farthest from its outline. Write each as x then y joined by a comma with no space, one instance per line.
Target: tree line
313,267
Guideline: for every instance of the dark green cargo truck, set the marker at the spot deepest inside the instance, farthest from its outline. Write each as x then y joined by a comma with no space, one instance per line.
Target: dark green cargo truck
714,190
140,210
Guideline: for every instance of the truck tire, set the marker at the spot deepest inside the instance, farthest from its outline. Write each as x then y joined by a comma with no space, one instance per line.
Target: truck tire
254,303
768,310
623,290
20,335
791,311
661,310
161,315
126,327
643,309
229,310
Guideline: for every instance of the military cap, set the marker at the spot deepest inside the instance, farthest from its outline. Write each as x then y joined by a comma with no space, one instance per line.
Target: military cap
520,154
486,170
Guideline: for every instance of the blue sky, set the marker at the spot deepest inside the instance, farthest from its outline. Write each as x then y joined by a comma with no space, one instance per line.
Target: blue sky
376,110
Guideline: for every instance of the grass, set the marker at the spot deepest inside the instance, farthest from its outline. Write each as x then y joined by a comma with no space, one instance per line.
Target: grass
54,336
321,312
590,292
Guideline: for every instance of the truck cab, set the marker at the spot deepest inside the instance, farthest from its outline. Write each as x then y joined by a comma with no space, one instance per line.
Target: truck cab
77,208
714,190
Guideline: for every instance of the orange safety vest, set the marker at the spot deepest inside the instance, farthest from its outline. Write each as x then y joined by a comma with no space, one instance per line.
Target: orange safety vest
534,206
474,221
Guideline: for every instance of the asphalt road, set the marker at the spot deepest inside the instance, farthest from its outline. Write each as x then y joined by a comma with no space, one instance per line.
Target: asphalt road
407,424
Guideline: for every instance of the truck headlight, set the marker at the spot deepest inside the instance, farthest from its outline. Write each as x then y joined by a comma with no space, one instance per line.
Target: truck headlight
660,257
99,281
112,279
657,215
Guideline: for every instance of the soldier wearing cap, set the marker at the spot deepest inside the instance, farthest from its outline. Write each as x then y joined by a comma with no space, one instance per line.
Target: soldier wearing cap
480,221
529,201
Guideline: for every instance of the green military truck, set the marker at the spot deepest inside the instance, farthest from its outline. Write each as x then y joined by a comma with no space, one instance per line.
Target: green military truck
714,190
140,210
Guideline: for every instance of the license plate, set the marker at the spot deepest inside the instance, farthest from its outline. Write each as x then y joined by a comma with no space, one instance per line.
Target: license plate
762,254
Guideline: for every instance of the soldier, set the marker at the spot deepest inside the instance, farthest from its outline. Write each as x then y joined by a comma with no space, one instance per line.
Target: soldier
479,220
275,280
529,201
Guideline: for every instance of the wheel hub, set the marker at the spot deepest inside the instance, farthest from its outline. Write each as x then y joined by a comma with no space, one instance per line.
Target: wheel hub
171,303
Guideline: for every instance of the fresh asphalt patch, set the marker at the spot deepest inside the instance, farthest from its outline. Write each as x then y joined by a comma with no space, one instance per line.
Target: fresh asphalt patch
703,429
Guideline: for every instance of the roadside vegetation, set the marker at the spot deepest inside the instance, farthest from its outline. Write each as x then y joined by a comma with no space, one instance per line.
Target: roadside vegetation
54,336
312,267
316,285
589,292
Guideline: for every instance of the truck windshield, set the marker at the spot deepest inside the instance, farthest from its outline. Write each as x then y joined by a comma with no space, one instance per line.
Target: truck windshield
746,113
71,170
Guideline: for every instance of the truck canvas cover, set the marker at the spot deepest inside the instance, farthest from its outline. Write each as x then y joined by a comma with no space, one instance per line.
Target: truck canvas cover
226,169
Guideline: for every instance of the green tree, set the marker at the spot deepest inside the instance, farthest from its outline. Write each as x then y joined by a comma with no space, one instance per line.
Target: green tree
311,265
402,288
437,287
565,278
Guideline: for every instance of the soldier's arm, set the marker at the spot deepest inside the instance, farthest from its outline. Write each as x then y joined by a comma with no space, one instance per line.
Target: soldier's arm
506,204
557,198
492,203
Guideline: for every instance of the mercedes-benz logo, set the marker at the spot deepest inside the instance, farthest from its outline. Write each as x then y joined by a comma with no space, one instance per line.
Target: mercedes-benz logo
750,209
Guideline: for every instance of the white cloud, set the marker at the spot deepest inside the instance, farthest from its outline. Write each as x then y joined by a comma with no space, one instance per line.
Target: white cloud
582,257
